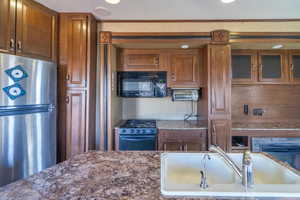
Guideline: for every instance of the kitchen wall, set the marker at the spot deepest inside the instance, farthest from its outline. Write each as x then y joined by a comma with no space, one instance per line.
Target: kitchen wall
155,108
292,26
280,102
116,102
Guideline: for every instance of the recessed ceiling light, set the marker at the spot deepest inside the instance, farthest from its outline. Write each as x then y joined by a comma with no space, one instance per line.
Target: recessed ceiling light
278,46
227,1
185,46
113,1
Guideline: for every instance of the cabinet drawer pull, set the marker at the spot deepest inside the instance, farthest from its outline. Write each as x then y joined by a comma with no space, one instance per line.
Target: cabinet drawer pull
19,46
67,99
165,147
12,44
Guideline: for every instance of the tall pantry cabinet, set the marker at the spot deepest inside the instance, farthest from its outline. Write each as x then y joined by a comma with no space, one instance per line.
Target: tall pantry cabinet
77,81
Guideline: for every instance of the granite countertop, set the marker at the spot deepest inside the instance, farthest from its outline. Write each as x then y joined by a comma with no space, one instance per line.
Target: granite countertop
267,126
181,124
94,176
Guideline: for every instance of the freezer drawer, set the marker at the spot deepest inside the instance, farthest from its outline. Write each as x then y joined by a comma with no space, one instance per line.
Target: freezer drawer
27,145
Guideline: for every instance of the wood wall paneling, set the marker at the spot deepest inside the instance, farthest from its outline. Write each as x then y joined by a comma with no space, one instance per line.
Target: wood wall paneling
280,103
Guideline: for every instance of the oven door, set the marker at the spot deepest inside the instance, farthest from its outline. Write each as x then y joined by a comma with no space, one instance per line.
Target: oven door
289,153
137,143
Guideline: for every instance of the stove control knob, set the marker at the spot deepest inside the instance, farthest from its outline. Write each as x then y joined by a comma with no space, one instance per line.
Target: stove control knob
132,131
124,131
138,131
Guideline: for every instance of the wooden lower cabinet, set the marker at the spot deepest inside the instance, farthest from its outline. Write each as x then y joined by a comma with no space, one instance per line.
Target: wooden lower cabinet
182,140
75,122
221,134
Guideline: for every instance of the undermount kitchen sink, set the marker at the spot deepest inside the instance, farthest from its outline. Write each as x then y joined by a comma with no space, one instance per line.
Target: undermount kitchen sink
180,176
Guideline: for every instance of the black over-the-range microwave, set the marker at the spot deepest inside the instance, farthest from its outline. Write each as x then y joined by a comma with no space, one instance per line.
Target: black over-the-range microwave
142,84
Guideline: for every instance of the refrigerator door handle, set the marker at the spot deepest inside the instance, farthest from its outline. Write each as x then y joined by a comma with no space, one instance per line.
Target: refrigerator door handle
26,109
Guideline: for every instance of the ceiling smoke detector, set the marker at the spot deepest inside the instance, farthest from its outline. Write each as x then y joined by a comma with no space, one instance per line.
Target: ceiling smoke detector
278,46
227,1
101,11
113,1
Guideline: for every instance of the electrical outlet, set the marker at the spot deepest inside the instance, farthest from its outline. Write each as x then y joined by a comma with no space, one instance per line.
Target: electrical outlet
258,111
246,109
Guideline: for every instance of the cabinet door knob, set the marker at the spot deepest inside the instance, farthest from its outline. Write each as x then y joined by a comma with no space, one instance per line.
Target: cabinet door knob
156,60
19,46
67,99
173,76
185,147
12,44
68,77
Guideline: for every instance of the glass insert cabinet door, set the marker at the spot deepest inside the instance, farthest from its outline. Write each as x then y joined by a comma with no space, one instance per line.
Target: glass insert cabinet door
272,66
244,66
294,61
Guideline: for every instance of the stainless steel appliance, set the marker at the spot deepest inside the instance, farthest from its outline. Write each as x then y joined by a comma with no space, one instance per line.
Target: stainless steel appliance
284,149
27,117
137,135
185,95
142,84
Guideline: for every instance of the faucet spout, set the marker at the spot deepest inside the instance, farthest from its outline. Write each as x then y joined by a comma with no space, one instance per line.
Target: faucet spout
227,159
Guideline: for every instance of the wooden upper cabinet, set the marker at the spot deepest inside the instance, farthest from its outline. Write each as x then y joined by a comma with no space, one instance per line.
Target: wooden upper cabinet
272,66
140,60
244,66
77,51
220,82
7,25
184,70
36,34
294,66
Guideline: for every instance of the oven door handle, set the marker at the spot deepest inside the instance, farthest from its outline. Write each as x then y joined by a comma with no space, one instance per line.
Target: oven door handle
138,139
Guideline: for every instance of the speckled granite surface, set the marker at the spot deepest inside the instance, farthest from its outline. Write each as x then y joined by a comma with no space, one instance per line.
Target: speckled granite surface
181,124
94,176
266,126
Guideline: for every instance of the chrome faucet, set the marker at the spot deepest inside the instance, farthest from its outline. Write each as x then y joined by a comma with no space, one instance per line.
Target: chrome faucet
203,183
246,173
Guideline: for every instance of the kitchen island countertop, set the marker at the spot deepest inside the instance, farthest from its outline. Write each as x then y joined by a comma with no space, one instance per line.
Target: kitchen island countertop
95,176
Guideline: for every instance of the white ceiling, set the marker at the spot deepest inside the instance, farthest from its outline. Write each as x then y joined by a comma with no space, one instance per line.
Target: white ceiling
182,9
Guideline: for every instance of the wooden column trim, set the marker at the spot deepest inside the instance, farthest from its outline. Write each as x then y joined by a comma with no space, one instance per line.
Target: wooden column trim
106,131
220,37
105,37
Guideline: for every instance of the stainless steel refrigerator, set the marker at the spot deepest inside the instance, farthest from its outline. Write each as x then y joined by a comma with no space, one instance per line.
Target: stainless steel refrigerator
27,117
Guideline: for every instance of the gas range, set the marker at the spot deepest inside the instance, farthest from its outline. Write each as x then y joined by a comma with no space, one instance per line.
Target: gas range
135,126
